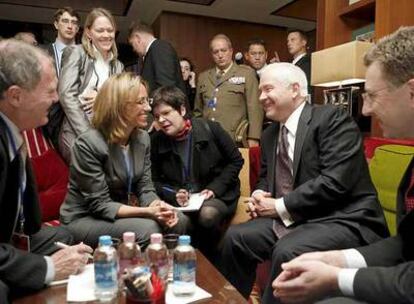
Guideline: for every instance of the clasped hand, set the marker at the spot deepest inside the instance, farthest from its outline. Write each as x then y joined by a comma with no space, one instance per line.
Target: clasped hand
183,196
261,204
164,213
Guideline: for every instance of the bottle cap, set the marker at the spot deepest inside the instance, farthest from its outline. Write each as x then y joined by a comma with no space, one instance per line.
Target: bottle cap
105,240
156,238
184,240
129,237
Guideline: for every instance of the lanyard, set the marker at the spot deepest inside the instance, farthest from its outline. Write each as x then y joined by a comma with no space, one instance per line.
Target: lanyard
58,59
22,183
187,162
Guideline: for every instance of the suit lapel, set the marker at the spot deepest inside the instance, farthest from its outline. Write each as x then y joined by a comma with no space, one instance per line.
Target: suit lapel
230,73
212,76
138,156
303,127
273,150
115,152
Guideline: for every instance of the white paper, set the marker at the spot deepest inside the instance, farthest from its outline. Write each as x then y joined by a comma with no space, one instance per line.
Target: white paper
194,203
199,294
81,287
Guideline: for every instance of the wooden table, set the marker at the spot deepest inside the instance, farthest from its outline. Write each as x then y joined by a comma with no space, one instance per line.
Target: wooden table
208,278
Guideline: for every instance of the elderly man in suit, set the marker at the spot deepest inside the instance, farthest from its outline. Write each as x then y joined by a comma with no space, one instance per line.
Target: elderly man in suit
314,190
382,272
27,90
228,93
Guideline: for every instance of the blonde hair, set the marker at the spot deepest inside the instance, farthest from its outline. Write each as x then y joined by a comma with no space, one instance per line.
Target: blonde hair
90,19
110,107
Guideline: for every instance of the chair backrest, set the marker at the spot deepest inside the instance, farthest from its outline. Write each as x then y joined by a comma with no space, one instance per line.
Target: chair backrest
244,174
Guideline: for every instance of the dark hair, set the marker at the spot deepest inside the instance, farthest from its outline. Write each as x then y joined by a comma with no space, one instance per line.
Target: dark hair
255,41
169,95
301,33
189,61
139,27
67,9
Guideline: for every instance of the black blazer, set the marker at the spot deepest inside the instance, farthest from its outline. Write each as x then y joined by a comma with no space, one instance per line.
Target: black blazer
216,163
21,272
330,173
305,64
161,66
391,281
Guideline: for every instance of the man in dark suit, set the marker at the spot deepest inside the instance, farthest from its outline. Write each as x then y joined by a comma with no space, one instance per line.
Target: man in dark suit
297,44
314,189
161,66
28,89
382,272
66,23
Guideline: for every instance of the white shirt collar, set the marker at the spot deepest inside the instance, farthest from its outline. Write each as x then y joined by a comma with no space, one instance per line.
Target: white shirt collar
298,58
259,71
60,45
149,45
15,132
292,122
225,70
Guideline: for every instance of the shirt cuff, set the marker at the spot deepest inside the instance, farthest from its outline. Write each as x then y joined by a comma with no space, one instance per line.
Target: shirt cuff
282,212
50,270
346,281
354,259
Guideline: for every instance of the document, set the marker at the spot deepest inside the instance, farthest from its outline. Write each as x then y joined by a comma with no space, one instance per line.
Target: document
81,287
194,204
199,294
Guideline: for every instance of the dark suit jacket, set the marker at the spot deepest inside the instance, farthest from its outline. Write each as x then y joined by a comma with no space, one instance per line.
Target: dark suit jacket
161,66
389,277
305,64
216,163
330,173
22,272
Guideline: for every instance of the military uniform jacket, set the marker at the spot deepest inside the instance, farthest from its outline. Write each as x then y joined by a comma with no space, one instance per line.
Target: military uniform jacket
230,100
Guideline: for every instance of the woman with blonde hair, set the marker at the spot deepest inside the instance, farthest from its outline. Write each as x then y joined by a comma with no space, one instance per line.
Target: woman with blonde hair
110,189
84,69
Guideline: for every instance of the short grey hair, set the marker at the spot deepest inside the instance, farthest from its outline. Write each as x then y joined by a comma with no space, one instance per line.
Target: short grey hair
288,74
223,37
395,54
20,64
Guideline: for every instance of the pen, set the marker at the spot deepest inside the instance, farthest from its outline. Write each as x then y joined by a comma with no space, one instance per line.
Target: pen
63,246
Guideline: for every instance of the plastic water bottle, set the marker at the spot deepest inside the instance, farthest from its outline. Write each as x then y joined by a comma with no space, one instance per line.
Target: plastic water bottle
106,270
157,256
184,277
129,252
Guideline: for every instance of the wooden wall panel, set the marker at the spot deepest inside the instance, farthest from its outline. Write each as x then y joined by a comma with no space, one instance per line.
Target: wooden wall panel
190,35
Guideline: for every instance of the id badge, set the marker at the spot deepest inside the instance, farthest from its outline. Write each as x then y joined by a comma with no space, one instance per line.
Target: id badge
132,200
21,241
212,103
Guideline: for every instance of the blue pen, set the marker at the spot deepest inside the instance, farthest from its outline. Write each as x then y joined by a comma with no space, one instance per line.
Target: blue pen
168,189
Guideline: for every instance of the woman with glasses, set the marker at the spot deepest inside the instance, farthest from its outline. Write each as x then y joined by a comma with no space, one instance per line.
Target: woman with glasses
84,68
194,156
110,188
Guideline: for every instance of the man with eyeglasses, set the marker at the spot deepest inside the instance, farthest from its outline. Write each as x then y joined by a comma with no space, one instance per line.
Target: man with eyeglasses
67,25
382,272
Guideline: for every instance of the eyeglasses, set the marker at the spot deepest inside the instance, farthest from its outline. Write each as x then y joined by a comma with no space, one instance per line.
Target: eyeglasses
370,96
144,101
67,21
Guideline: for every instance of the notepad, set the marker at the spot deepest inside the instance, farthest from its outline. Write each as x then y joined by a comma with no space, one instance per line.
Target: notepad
81,287
194,204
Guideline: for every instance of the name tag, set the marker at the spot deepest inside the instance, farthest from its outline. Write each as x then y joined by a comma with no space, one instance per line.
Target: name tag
21,241
237,80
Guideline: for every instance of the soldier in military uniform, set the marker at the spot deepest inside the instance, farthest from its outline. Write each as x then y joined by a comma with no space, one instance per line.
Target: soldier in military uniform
228,93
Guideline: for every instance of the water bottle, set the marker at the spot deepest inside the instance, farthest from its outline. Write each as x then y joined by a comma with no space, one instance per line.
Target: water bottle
184,276
106,270
157,256
129,252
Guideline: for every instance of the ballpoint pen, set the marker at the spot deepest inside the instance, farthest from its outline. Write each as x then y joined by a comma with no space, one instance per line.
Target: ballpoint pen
63,246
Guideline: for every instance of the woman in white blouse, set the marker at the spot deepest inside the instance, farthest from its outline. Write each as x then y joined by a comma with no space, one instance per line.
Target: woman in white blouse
84,69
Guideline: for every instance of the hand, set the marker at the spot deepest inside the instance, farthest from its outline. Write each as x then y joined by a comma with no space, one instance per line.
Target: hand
88,99
208,194
334,258
275,58
264,204
305,282
164,213
191,79
154,126
253,143
70,260
255,199
182,197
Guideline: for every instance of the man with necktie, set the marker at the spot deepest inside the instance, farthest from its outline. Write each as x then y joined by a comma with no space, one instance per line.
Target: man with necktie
382,272
27,91
314,189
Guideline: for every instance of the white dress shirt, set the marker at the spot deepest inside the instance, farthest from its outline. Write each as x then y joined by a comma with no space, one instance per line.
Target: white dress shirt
346,276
